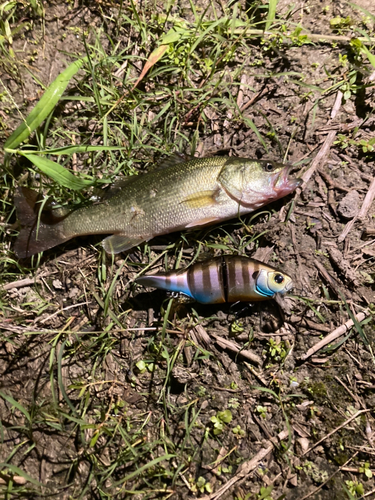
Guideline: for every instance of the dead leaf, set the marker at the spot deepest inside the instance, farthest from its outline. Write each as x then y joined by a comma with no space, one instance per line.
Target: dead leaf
153,59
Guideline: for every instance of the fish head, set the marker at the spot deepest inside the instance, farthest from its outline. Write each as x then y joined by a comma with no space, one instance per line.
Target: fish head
254,183
270,281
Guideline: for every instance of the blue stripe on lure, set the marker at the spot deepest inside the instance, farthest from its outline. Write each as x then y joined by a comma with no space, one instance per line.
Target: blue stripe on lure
223,279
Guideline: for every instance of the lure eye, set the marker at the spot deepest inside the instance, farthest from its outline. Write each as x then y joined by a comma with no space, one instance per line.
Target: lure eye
268,283
269,167
279,278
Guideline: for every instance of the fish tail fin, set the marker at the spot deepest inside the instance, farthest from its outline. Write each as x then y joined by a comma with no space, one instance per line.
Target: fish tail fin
40,230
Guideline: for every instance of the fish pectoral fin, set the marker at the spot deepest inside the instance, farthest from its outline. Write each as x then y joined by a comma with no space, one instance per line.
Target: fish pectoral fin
202,222
120,243
201,199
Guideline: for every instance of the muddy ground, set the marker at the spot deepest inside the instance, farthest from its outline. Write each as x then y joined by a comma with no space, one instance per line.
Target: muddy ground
96,383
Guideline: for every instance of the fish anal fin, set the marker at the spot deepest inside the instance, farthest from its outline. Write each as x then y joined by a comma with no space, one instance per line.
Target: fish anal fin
201,199
120,243
205,221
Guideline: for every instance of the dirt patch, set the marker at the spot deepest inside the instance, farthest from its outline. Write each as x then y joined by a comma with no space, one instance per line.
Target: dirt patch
110,390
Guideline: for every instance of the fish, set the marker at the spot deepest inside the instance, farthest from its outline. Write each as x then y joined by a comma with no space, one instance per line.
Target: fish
223,279
180,195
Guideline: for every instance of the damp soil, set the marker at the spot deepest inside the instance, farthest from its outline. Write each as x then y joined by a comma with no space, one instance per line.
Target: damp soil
249,362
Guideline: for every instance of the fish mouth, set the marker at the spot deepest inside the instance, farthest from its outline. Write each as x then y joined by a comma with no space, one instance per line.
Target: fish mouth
283,184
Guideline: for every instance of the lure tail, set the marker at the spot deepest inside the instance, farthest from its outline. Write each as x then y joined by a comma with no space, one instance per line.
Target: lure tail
40,230
172,281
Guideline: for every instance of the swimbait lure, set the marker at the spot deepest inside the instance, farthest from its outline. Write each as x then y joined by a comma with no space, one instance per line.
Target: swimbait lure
223,279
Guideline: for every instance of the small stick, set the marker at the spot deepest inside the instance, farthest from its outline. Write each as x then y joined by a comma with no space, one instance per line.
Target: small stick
26,281
234,347
341,330
329,279
326,146
366,244
337,105
367,494
331,182
367,202
319,158
331,476
246,468
313,36
353,417
241,89
253,99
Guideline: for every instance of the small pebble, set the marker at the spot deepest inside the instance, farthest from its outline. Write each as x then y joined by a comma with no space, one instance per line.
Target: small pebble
349,205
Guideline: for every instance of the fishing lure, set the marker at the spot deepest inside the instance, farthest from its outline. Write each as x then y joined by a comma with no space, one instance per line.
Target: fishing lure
223,279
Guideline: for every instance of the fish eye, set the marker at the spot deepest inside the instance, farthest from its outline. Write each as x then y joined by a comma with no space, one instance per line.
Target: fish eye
279,278
269,167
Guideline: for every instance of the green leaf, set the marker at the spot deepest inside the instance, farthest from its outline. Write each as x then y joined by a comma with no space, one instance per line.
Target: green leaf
17,405
69,150
44,107
58,173
370,56
141,470
173,35
271,13
225,416
16,470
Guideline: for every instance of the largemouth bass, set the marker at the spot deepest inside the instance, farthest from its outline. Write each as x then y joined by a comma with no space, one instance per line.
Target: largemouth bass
183,195
223,279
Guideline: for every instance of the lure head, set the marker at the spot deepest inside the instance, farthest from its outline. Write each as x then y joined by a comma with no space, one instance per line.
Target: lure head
256,182
269,282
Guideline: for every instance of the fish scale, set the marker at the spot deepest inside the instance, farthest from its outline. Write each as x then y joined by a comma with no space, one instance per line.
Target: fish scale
181,196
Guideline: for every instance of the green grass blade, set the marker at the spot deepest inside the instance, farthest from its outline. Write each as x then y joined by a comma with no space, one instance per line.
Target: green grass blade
369,56
44,107
58,173
16,470
69,150
143,468
60,378
17,405
272,4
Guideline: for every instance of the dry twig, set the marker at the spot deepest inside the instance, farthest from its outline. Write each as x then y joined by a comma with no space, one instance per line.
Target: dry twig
341,330
329,479
353,417
246,468
319,158
234,347
324,151
367,202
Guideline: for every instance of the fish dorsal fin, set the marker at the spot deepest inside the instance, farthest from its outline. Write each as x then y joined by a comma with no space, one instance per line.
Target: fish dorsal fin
118,186
174,159
120,243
